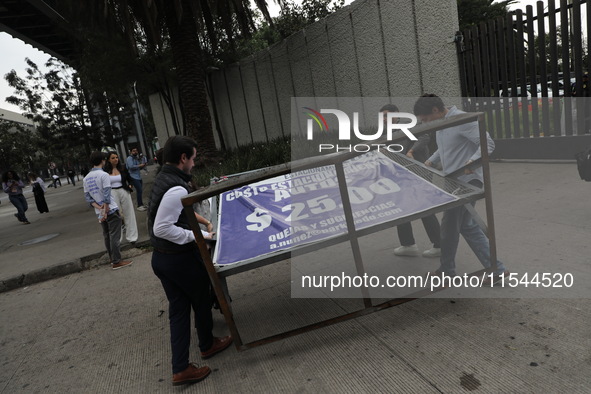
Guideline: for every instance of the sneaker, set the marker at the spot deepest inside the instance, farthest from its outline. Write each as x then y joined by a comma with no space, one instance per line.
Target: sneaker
433,252
192,374
411,250
26,222
142,208
121,264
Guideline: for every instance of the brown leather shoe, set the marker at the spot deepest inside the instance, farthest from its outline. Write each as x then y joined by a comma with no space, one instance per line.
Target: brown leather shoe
191,374
219,344
121,264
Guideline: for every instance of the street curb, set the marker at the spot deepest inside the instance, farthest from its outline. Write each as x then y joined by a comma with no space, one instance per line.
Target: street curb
80,264
535,161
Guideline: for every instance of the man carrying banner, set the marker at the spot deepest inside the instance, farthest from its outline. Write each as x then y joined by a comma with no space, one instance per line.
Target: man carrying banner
456,147
179,266
419,151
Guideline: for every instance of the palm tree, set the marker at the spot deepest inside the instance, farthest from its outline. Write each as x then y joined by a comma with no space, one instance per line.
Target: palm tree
186,22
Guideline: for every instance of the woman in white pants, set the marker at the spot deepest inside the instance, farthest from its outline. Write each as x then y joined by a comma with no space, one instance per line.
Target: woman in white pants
121,188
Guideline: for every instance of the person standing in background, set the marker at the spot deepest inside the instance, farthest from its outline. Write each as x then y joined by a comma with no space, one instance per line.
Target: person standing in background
39,192
97,192
72,175
56,180
13,186
121,189
134,166
417,150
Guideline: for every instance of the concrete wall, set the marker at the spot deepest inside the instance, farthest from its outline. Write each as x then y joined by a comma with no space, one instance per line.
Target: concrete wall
371,48
162,117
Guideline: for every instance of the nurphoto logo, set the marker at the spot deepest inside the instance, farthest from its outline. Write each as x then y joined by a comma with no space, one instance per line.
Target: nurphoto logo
390,123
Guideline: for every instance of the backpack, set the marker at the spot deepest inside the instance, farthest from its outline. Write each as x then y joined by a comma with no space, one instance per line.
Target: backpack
584,164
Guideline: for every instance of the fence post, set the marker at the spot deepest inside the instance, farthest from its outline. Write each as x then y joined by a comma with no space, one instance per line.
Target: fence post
531,43
567,105
543,70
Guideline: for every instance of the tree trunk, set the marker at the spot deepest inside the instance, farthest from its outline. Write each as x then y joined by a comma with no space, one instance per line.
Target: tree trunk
187,57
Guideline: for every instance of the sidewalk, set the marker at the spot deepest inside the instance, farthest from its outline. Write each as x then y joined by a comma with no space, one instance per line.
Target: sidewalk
107,331
77,242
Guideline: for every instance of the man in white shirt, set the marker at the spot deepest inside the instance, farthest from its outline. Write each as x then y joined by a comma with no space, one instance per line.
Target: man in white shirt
178,264
457,146
97,192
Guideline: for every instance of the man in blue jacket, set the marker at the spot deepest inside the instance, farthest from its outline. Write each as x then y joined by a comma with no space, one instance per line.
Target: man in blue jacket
134,166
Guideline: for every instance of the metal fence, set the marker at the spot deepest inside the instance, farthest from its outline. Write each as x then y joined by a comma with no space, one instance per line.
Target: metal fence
524,71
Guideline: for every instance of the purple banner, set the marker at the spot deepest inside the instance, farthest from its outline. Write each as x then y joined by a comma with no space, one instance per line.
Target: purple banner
305,207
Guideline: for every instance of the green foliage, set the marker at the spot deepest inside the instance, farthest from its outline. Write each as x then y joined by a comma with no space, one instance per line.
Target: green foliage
19,147
107,65
265,154
559,45
55,102
472,12
293,18
247,158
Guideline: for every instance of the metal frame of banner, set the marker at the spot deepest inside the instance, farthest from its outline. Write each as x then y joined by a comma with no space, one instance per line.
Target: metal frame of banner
217,276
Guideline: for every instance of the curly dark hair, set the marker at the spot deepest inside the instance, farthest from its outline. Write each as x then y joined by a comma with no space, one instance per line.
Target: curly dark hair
14,176
109,167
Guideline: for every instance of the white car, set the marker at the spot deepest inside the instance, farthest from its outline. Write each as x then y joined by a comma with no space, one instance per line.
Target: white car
539,90
509,96
519,97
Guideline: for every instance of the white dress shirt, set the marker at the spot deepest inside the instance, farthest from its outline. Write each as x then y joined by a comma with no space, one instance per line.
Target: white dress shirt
168,214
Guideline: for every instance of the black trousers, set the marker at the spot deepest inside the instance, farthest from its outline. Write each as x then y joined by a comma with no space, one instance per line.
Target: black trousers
432,228
431,223
40,201
187,287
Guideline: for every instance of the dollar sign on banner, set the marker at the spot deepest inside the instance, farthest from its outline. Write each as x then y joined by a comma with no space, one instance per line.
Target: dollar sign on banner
260,219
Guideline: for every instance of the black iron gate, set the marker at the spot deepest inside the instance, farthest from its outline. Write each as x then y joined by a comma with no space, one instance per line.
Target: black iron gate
524,71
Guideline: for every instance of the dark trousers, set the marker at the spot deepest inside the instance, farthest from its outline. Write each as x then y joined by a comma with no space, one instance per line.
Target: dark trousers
432,228
458,221
112,236
138,186
40,201
20,202
186,284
